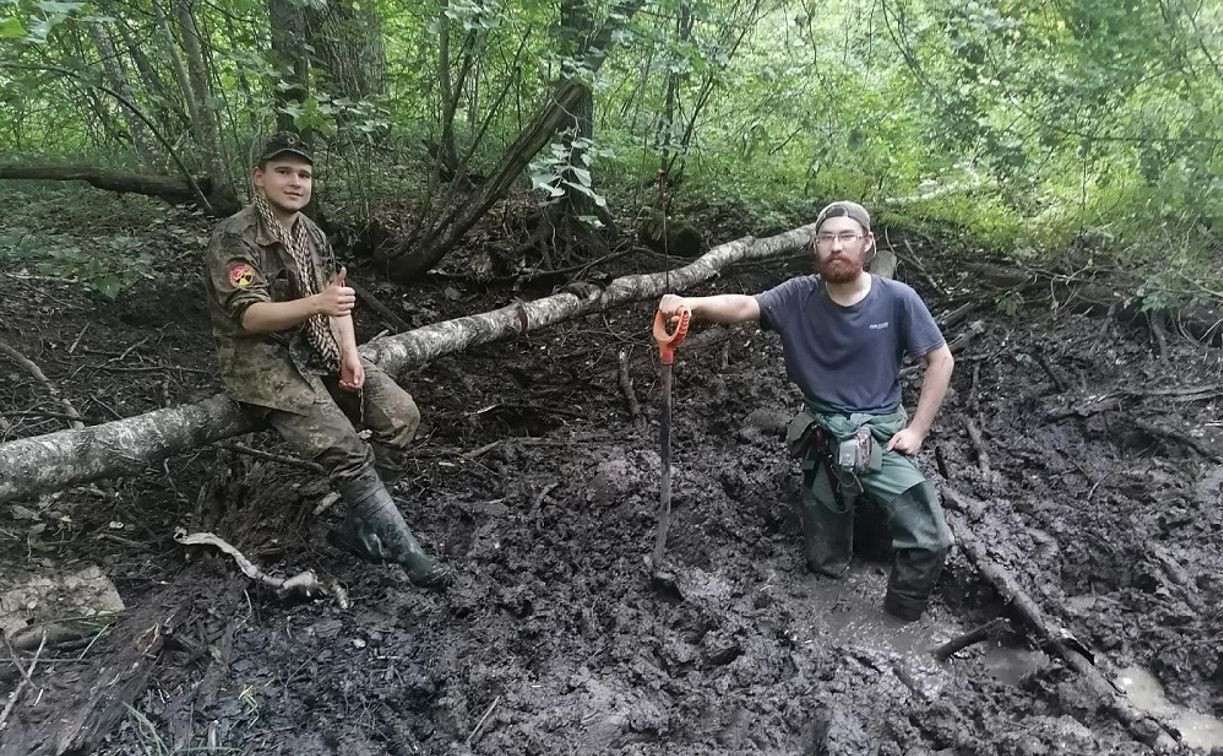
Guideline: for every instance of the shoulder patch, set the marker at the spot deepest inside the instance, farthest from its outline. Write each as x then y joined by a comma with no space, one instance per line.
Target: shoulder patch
241,275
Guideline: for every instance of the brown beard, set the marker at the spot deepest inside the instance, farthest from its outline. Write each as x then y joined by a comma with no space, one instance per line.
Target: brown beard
840,269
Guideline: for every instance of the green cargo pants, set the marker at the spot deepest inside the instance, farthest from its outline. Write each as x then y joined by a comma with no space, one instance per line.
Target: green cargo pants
907,501
327,433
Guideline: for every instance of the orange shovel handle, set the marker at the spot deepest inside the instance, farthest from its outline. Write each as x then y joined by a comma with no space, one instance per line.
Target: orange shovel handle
669,342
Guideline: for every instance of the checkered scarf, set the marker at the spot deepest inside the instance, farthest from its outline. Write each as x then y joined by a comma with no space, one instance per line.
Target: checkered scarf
297,242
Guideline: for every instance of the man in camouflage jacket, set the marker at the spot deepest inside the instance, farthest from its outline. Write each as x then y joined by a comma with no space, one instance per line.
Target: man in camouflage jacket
282,320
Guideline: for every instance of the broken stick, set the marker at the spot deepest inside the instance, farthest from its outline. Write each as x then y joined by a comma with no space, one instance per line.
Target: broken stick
978,443
475,734
1178,436
26,677
1043,361
977,634
630,396
283,459
386,313
32,368
304,583
62,631
916,262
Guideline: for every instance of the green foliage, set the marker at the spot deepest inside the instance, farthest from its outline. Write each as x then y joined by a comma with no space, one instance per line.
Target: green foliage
105,245
1077,135
555,173
11,28
106,268
1009,303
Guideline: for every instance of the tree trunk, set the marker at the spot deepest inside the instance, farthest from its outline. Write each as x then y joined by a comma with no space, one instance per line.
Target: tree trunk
252,110
142,140
562,230
665,134
102,130
170,53
446,163
730,43
31,466
173,189
288,24
209,126
348,43
411,259
576,26
448,155
166,104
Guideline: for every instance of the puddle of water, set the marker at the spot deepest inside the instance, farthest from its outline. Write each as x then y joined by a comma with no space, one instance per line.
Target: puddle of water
849,611
1009,664
1144,691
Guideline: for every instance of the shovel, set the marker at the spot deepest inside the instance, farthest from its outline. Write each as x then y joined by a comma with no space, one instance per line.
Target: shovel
667,343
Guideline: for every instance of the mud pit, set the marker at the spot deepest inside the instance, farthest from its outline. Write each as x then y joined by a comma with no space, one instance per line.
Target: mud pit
534,483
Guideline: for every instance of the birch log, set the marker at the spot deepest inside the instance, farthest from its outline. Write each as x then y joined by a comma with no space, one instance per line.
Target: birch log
40,464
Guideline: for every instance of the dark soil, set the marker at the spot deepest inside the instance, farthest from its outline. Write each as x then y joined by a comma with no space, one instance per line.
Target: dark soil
554,639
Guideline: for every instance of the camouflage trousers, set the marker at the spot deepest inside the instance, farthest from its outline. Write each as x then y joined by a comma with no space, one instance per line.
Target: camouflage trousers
327,433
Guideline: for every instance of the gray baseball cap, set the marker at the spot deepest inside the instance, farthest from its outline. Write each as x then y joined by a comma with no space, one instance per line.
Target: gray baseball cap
847,209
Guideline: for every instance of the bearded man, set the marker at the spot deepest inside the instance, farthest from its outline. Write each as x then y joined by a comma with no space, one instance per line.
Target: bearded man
844,333
282,320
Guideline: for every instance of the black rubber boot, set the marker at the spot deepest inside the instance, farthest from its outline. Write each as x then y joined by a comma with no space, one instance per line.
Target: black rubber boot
828,528
375,530
919,549
902,607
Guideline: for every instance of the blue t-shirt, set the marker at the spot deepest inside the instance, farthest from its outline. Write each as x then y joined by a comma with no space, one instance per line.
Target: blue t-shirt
849,358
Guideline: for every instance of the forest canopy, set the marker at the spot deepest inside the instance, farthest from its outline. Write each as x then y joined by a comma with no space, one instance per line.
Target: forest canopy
1077,134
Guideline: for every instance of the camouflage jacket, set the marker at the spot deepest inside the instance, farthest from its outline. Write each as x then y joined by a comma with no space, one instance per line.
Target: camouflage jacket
246,264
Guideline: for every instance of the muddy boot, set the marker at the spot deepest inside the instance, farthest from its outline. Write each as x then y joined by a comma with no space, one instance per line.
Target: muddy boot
919,547
828,528
375,530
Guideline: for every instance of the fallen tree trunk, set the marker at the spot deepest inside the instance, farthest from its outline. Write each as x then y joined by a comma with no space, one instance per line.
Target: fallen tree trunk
40,464
1143,727
30,466
175,190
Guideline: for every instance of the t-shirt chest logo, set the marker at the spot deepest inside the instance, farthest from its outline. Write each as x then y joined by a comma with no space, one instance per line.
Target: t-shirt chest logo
880,326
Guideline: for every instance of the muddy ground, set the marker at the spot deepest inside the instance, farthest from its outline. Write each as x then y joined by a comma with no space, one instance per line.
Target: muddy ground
1103,485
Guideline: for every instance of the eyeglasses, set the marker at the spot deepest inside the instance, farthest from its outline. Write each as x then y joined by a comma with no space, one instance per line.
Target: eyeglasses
845,237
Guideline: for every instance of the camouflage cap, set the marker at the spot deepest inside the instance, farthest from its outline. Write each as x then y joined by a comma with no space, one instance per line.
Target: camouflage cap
285,141
844,208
